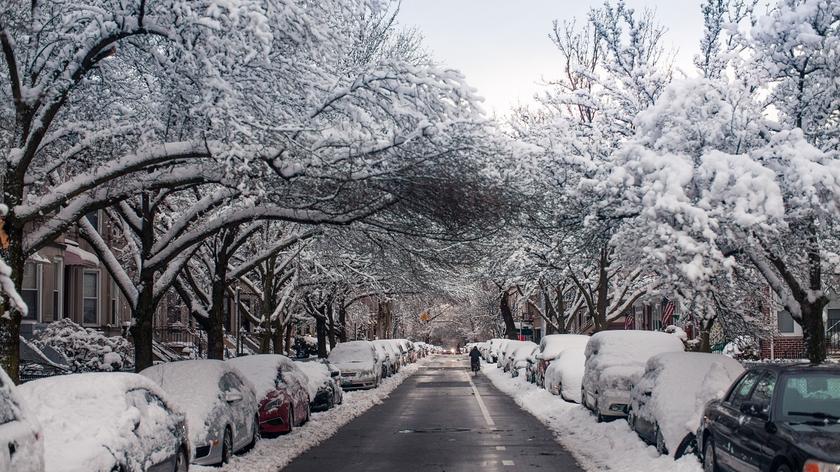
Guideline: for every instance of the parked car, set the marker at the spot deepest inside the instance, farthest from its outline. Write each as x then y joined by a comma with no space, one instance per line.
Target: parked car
280,388
102,422
551,346
361,367
776,418
501,354
503,361
667,402
324,383
221,406
21,436
564,375
519,356
615,360
408,347
389,360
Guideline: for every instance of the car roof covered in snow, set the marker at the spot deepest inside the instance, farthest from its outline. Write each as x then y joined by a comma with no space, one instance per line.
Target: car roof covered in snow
317,374
262,370
553,344
352,352
632,345
85,416
523,350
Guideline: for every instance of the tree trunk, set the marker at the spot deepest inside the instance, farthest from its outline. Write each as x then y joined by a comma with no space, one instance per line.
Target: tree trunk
342,321
142,330
813,331
215,328
289,329
10,325
278,335
507,316
600,315
321,332
330,325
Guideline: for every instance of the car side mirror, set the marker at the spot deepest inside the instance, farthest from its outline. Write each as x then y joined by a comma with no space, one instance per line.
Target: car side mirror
754,409
233,395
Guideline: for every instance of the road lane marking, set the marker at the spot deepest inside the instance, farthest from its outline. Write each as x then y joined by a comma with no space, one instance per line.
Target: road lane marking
507,463
500,448
481,405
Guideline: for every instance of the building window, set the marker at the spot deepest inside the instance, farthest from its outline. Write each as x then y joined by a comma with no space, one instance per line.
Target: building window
784,320
31,290
90,297
115,303
833,325
58,288
93,218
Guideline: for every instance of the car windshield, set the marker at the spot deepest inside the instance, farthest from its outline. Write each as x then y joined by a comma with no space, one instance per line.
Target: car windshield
811,397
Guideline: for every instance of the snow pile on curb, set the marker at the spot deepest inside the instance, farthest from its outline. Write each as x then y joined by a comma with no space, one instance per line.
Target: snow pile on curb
270,455
596,446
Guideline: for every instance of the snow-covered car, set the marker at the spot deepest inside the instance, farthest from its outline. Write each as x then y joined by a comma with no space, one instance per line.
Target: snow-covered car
221,406
489,351
281,390
551,346
564,375
615,360
102,422
518,358
668,401
323,383
502,351
408,347
361,367
21,437
389,358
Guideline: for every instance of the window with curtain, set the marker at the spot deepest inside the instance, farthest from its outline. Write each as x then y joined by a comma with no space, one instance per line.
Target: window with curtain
31,290
90,297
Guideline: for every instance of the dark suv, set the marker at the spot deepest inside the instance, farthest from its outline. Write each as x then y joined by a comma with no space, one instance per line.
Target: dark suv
775,418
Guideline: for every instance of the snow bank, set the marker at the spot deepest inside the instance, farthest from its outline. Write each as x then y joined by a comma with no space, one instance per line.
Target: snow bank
565,374
30,454
88,419
596,446
270,455
680,384
552,345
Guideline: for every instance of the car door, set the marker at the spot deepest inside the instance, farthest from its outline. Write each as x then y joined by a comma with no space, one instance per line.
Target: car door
297,394
727,422
155,422
236,409
759,442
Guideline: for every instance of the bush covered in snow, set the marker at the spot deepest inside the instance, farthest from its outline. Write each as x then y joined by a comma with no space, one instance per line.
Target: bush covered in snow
743,348
86,349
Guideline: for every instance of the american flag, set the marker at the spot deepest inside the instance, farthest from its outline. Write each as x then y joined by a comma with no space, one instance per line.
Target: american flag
630,320
668,313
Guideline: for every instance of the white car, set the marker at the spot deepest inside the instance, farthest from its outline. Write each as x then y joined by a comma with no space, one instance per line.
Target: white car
551,346
615,361
21,437
564,375
360,365
221,406
101,422
389,358
667,402
519,356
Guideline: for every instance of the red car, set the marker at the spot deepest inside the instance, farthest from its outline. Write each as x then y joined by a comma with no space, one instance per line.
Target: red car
281,391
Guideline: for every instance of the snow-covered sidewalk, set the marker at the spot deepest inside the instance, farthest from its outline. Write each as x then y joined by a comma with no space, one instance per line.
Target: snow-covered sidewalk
270,455
597,446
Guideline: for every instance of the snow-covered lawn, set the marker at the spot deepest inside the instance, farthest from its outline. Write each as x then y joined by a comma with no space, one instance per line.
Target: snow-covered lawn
597,446
271,455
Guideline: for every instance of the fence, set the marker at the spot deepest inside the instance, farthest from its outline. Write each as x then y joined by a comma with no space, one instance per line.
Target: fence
191,343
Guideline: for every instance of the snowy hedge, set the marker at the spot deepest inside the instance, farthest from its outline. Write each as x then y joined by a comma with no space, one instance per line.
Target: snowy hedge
87,350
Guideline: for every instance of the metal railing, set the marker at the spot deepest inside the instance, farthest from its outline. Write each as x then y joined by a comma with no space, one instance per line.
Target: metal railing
187,342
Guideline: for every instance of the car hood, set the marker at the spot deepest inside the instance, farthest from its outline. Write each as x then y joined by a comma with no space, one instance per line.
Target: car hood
819,442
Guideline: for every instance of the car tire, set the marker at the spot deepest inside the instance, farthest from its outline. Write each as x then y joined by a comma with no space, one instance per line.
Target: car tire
227,446
782,468
660,442
709,456
182,463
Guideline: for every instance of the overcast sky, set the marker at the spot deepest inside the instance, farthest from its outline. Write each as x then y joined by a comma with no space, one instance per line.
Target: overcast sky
502,46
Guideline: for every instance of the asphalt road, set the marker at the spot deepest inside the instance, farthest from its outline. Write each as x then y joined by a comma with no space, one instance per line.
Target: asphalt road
435,421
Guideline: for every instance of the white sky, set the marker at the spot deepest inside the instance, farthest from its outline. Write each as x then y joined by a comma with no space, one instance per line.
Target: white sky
502,46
